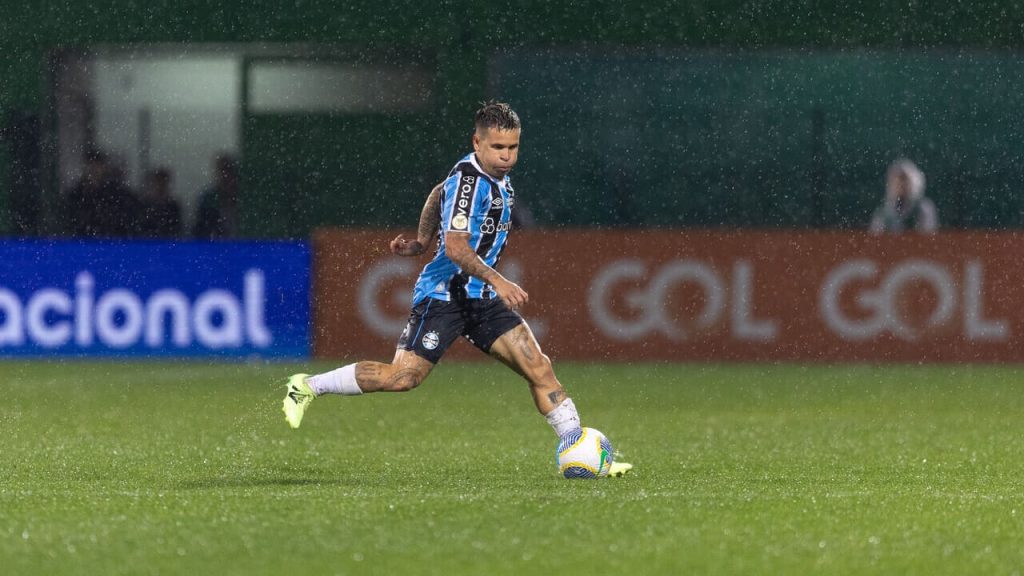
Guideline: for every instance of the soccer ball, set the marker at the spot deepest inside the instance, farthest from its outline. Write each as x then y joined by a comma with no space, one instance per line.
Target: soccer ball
584,454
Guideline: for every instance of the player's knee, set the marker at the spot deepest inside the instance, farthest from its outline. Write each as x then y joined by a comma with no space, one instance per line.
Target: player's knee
541,373
545,365
406,380
406,383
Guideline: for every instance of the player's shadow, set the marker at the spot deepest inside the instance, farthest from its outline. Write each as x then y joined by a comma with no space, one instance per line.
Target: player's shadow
203,483
281,478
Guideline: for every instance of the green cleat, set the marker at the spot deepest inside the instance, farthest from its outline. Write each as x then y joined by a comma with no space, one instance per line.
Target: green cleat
299,396
619,469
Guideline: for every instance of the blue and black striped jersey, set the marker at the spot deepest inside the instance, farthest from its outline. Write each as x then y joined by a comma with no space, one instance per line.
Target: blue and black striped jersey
477,204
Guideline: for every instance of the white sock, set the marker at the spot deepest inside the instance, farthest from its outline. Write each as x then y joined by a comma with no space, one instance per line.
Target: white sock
340,381
564,418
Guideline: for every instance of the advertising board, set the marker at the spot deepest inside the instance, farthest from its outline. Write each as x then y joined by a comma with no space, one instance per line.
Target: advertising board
702,295
153,298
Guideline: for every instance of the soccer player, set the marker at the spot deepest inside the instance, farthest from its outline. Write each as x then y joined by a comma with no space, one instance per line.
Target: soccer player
459,293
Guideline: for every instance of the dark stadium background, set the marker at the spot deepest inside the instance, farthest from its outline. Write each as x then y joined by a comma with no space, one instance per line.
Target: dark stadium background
938,82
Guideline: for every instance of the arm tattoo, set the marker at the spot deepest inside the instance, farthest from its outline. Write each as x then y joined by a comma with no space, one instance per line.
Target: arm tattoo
430,216
470,262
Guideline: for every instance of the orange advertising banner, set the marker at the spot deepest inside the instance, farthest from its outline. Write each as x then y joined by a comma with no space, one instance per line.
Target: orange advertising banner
703,295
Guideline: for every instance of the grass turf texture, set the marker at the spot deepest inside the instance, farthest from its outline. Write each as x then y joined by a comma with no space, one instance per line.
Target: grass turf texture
189,468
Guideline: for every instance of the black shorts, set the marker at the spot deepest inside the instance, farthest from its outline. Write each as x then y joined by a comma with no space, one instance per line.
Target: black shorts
435,324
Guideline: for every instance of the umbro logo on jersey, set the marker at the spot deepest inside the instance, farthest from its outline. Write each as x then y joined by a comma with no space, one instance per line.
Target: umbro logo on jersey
497,202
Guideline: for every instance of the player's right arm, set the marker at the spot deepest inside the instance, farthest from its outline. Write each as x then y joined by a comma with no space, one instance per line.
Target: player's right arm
458,250
426,233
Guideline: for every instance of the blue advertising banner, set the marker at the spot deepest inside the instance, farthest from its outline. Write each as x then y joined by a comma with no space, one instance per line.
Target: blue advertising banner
154,298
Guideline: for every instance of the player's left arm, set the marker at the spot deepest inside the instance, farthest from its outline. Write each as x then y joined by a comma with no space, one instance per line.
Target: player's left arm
457,248
426,233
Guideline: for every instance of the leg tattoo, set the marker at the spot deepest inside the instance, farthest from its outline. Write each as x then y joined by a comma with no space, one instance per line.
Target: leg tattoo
369,372
556,397
524,346
404,379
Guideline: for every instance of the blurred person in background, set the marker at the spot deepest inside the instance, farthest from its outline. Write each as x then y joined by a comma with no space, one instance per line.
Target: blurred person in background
218,214
905,207
161,214
100,204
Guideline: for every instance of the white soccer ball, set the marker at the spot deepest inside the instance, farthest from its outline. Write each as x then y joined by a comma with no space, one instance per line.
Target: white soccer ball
584,454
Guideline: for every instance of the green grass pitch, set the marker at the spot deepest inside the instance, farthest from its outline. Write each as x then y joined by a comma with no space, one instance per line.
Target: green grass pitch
187,468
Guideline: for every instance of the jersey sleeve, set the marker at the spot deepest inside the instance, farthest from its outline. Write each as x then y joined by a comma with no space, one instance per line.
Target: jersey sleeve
461,207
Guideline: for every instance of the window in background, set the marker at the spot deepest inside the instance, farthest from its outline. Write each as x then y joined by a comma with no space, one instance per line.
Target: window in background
174,107
304,86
